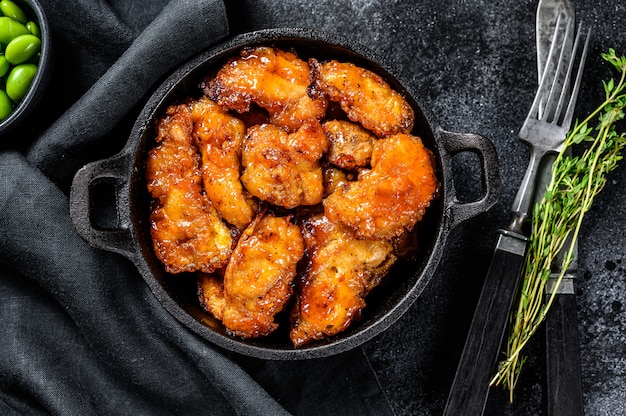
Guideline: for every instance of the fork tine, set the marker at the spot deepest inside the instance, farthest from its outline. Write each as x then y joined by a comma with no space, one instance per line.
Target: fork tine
559,88
567,119
542,90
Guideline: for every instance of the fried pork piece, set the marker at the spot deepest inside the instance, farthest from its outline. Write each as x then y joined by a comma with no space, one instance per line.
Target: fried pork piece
283,169
342,271
187,232
393,196
350,144
219,137
258,279
363,95
211,293
275,80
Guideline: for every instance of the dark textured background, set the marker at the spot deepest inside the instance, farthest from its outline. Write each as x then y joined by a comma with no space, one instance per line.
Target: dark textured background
473,63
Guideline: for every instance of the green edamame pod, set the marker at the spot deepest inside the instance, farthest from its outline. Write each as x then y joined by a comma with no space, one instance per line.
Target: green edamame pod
19,80
13,11
6,106
22,48
4,65
10,29
33,27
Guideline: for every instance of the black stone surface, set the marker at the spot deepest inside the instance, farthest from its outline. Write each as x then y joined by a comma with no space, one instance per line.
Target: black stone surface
473,62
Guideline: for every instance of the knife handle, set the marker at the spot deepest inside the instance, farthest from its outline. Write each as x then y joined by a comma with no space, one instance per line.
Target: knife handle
563,375
470,388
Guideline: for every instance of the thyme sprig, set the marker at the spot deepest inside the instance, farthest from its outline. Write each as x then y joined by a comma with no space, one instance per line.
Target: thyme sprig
557,218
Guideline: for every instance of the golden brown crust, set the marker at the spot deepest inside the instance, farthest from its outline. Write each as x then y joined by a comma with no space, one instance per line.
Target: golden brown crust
219,136
258,141
211,294
188,234
363,95
341,271
257,280
391,197
283,169
275,80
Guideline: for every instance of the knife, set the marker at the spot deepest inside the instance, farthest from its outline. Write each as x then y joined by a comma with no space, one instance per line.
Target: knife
563,378
563,374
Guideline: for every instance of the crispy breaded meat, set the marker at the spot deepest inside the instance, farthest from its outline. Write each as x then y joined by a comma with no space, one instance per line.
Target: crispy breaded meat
283,169
363,95
211,293
350,145
274,79
291,188
391,197
342,270
187,232
219,137
258,279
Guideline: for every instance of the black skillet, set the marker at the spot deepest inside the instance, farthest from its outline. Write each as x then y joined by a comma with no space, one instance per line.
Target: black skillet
177,294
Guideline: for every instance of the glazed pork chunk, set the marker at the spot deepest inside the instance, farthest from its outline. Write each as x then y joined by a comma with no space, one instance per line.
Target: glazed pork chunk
364,96
187,232
342,271
273,79
392,196
283,169
219,136
257,281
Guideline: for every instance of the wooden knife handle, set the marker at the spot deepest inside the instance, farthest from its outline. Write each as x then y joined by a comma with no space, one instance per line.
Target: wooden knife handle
563,375
477,365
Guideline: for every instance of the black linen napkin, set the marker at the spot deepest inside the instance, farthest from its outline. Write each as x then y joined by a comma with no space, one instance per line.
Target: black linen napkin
80,332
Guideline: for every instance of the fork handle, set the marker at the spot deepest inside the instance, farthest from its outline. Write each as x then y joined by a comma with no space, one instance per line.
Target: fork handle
526,192
470,388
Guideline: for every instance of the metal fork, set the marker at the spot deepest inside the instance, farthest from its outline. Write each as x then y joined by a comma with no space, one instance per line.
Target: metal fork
544,130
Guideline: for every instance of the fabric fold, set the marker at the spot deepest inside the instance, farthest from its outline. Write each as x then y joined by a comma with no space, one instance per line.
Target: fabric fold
182,29
96,305
81,333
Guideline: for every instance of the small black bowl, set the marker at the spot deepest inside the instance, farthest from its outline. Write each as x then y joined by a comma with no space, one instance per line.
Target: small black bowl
35,12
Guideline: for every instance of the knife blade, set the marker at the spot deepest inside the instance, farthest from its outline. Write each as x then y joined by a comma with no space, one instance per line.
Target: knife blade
563,373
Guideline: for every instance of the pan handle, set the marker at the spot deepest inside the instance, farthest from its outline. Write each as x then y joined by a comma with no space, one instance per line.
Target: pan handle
486,151
113,172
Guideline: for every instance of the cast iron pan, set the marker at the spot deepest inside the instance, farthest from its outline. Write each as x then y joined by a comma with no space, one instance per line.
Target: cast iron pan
131,236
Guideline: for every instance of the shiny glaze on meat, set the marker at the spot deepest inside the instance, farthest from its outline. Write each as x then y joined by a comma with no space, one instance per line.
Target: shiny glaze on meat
257,280
219,136
283,169
271,78
350,144
391,197
364,96
187,232
341,271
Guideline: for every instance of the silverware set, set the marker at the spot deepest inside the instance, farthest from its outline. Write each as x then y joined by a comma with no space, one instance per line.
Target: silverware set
560,65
